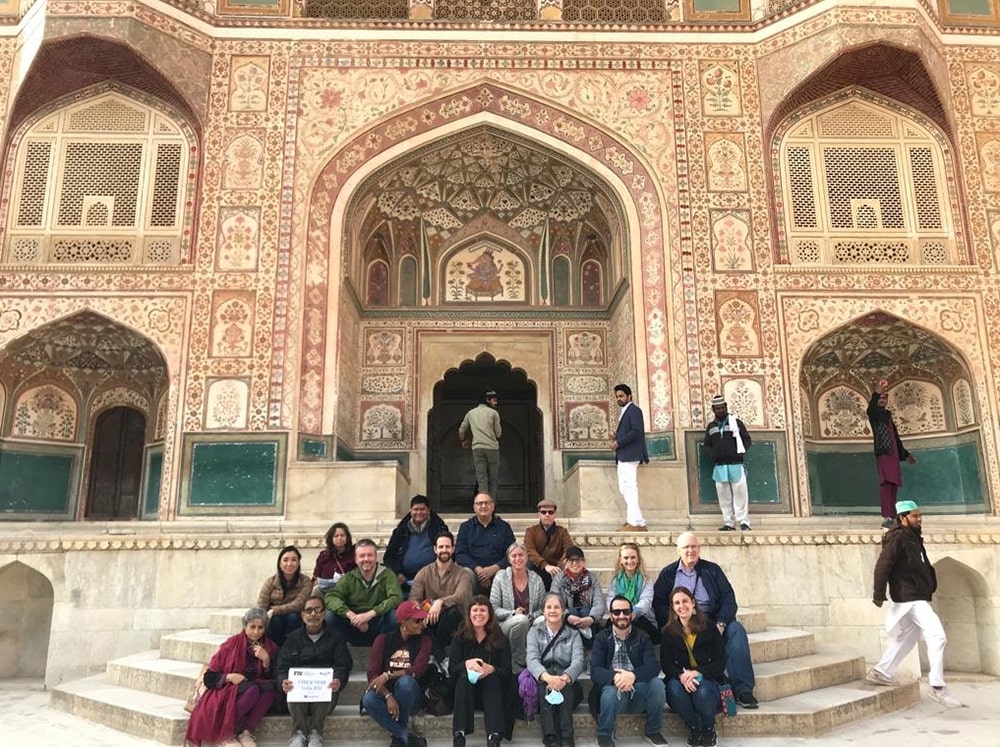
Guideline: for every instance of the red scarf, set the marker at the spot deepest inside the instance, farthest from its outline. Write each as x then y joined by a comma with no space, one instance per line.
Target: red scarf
214,718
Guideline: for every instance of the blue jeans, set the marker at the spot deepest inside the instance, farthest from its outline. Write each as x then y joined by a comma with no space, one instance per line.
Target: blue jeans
738,664
696,709
381,624
408,696
646,697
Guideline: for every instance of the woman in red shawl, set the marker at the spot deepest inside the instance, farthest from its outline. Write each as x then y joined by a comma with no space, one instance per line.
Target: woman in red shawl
240,687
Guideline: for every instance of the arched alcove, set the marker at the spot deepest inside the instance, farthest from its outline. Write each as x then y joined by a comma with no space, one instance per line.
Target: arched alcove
26,597
963,603
924,373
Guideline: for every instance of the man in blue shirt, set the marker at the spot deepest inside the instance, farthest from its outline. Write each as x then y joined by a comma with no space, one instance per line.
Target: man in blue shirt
483,541
411,546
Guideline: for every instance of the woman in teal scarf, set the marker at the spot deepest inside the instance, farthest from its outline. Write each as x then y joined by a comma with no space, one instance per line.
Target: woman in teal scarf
631,582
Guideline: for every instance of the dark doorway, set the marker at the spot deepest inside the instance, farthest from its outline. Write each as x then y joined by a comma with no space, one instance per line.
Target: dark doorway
451,479
116,465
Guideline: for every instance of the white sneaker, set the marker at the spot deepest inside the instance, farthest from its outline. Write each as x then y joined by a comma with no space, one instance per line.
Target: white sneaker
945,698
299,740
877,678
315,739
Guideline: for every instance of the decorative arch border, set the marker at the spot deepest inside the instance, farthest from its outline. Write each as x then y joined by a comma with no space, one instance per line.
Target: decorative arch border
585,142
957,320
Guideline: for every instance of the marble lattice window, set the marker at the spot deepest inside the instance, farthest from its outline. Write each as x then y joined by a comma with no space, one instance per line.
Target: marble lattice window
865,184
104,181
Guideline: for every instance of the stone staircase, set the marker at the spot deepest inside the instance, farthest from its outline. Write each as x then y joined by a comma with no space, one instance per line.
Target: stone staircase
803,690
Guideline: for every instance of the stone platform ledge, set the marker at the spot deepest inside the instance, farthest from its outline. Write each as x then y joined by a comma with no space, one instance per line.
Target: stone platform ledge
257,533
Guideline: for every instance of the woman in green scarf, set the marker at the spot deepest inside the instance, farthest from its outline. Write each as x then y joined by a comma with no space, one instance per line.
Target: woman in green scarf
630,581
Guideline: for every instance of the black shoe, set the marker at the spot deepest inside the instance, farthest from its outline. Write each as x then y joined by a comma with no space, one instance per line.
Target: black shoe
694,737
551,741
657,740
605,740
493,740
458,739
396,742
727,528
569,742
710,738
748,701
415,740
745,527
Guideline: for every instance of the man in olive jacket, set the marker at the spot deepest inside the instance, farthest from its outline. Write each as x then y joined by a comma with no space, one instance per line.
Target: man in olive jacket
314,645
364,601
904,565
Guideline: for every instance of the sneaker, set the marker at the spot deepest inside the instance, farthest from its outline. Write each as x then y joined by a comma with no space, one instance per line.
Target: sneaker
656,739
709,738
315,739
694,737
247,739
943,696
888,523
298,740
458,739
745,527
748,701
605,740
551,741
493,740
415,740
632,528
396,742
877,678
727,528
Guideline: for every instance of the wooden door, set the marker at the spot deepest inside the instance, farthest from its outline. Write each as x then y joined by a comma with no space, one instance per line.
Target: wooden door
116,465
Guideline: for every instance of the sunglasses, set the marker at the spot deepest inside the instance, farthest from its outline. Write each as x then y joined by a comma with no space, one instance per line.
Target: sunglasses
547,511
620,613
313,610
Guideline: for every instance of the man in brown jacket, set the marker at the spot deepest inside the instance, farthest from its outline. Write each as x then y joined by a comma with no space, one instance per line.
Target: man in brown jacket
442,588
547,542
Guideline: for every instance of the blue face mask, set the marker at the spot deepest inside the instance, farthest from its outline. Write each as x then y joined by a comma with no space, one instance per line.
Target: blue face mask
472,675
554,697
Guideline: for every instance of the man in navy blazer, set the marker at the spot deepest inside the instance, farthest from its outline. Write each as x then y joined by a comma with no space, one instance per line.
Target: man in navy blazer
630,449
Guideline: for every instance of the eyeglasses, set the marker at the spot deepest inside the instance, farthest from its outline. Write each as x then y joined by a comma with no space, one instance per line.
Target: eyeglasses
620,613
546,511
313,610
478,504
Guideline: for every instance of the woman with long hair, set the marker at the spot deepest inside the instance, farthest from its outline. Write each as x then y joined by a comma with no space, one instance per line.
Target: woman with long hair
555,659
284,595
630,581
334,561
693,658
516,595
479,665
240,687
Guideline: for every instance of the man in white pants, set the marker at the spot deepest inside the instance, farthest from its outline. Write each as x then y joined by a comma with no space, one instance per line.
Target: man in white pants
727,440
904,565
629,446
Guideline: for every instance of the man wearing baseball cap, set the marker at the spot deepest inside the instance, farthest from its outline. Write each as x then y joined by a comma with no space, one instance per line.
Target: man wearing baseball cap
395,665
546,543
904,565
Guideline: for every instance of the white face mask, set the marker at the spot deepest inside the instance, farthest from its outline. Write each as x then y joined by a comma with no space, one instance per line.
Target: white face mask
554,697
472,675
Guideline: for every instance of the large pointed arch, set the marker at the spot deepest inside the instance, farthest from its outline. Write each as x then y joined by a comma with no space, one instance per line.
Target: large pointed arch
612,161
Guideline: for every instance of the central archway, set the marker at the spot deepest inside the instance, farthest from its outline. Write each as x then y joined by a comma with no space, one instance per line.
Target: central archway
451,479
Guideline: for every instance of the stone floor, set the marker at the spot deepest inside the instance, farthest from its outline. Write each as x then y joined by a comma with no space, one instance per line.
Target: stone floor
26,720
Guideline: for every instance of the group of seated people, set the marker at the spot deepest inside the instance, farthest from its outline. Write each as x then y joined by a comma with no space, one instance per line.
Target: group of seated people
500,630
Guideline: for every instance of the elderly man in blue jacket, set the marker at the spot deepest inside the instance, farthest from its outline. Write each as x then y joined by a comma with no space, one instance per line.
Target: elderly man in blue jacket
715,597
482,542
625,673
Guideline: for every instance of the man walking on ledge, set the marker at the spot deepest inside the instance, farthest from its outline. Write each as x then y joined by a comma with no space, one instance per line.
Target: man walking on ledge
482,423
630,449
904,565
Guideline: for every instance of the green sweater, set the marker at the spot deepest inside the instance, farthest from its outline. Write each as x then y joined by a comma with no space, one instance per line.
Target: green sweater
352,594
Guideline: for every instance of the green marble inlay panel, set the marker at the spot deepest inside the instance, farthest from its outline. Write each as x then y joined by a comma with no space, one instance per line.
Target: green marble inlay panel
314,448
570,458
661,446
766,463
716,6
970,8
224,472
152,480
39,480
947,476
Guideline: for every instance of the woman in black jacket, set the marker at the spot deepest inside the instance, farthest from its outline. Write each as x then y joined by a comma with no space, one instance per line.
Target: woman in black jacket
479,664
693,658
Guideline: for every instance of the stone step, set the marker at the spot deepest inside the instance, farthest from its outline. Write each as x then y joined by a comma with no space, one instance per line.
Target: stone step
199,645
774,644
799,674
804,715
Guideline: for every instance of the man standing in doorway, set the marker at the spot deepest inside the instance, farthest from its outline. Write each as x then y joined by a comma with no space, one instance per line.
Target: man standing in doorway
727,440
889,451
629,446
482,423
903,564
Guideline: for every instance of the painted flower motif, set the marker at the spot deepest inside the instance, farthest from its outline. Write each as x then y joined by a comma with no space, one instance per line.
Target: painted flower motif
331,98
639,99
